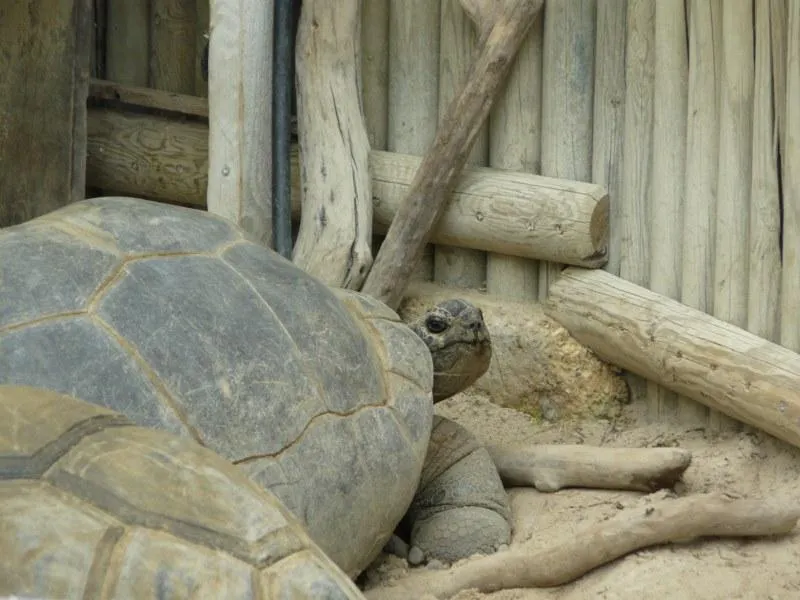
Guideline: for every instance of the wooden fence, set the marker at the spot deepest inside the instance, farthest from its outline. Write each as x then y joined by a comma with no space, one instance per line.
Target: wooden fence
686,112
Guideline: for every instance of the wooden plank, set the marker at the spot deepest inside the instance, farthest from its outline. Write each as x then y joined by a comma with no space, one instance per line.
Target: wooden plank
240,114
733,173
375,70
413,83
609,114
634,258
201,36
763,307
778,26
567,110
515,144
453,266
493,210
128,41
669,160
790,315
172,45
45,65
716,363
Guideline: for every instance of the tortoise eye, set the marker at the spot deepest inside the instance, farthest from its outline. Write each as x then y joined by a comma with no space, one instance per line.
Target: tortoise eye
435,324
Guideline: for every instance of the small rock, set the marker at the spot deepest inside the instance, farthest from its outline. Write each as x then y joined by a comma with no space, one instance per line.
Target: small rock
502,547
415,556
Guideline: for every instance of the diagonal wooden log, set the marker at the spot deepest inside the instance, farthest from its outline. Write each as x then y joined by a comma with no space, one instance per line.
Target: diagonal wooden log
503,26
661,522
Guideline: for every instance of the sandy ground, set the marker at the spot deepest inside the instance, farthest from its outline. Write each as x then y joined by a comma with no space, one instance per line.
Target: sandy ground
746,462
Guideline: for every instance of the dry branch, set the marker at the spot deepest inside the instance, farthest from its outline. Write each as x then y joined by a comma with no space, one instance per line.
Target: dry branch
412,227
335,237
688,351
660,522
550,468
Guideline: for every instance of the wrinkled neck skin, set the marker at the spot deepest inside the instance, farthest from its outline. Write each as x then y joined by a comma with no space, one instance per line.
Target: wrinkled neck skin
460,345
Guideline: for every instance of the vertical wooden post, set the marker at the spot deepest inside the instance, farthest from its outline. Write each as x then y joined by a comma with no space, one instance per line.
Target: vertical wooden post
567,82
128,41
669,160
43,89
375,70
414,84
609,114
702,143
515,144
458,267
240,110
763,307
172,45
634,258
790,315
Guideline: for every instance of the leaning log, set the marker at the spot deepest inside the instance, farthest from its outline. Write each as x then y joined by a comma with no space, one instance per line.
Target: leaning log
518,214
718,364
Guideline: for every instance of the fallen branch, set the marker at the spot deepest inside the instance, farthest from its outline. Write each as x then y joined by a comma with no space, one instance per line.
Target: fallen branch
551,468
417,217
661,522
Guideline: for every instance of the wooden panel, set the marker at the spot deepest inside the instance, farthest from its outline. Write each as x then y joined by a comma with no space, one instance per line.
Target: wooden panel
45,66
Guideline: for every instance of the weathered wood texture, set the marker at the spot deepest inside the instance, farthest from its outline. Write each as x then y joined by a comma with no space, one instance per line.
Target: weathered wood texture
567,104
790,313
763,306
724,367
512,213
459,267
335,236
128,41
172,45
43,88
609,114
669,154
417,217
375,70
414,85
733,183
240,109
515,144
637,141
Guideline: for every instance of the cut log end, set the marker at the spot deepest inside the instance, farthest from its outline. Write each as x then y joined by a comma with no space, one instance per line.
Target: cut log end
599,228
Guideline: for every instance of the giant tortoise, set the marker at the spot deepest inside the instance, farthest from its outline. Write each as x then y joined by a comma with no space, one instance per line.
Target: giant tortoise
172,317
92,506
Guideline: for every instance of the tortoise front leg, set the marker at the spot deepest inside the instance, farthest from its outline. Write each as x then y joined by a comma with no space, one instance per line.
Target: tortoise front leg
460,508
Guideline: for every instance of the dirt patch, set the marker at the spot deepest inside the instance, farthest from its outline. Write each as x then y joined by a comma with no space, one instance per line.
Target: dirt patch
747,463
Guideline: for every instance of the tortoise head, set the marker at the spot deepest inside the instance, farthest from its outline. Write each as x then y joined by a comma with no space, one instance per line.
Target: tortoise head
459,341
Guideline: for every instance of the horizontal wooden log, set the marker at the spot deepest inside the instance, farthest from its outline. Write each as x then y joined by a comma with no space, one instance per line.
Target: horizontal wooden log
155,156
688,351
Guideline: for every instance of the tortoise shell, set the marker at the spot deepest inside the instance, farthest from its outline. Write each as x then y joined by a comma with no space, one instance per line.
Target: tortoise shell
170,316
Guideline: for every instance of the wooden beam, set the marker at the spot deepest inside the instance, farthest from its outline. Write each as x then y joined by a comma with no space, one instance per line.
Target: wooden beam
43,87
718,364
513,213
240,114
